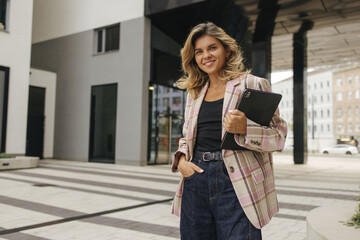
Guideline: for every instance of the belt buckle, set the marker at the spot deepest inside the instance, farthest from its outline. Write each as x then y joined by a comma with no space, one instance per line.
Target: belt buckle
207,156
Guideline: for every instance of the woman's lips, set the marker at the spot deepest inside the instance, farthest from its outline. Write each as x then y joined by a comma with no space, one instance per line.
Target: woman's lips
209,63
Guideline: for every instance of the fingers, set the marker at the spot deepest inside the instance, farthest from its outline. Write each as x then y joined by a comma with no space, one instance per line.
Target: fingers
188,168
235,122
196,168
236,112
226,124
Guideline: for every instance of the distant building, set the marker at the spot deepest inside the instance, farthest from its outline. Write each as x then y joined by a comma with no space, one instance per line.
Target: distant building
319,108
347,104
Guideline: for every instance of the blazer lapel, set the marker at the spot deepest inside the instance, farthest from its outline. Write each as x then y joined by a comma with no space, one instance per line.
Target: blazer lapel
232,95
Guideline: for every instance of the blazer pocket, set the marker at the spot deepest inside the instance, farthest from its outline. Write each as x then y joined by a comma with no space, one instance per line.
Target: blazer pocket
258,175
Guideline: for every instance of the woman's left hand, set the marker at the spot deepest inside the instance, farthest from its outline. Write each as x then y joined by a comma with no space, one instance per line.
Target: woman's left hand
235,122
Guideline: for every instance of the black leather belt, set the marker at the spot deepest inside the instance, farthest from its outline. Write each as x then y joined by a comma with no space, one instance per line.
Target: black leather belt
208,156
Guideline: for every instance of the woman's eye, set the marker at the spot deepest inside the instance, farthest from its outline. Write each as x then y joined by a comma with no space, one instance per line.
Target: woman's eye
212,48
197,52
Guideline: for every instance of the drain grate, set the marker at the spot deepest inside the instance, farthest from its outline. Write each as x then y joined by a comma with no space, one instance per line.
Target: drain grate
43,185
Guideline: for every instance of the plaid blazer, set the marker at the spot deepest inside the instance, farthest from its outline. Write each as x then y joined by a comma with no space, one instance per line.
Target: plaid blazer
251,172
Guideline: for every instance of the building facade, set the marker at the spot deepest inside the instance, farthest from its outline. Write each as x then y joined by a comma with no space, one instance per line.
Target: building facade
347,104
102,64
15,49
319,108
116,101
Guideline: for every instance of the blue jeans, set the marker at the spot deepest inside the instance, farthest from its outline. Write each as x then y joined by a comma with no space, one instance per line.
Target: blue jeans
210,209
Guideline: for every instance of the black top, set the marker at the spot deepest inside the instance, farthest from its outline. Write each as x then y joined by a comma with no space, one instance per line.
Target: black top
209,125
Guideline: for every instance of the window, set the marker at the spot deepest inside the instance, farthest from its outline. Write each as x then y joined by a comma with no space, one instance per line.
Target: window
4,10
357,94
338,82
349,127
176,100
321,98
349,112
339,97
321,85
349,80
357,127
165,102
328,112
107,39
328,127
357,79
315,86
339,127
322,128
357,111
328,83
321,113
339,112
349,95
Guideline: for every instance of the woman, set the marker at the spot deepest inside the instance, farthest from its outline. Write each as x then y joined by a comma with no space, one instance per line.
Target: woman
223,194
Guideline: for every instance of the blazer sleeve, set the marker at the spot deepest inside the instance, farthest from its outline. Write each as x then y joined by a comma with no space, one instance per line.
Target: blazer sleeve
182,142
264,138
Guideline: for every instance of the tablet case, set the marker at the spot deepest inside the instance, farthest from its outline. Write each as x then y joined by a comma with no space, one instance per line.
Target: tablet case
259,107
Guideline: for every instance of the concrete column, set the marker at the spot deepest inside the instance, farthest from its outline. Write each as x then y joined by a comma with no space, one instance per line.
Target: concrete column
300,92
261,49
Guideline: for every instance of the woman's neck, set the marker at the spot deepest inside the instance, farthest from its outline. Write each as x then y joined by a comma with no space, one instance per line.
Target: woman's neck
215,82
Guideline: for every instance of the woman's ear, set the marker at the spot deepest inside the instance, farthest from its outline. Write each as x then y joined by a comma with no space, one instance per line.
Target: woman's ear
228,53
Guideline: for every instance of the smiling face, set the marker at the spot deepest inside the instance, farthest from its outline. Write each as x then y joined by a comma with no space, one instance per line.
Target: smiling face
210,55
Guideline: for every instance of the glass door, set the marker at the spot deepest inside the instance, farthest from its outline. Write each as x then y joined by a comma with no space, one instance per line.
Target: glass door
166,123
103,123
4,92
35,122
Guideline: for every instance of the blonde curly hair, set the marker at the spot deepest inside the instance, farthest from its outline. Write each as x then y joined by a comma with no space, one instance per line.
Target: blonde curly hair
194,78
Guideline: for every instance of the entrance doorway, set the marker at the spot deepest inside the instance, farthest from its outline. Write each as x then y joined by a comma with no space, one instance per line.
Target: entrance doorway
35,122
4,86
103,123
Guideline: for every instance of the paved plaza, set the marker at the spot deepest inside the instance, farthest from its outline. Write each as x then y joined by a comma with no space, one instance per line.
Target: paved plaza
66,200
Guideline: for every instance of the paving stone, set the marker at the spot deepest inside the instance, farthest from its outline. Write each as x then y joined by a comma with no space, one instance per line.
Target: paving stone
80,188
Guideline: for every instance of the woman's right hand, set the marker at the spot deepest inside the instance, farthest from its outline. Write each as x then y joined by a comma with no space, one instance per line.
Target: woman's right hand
188,168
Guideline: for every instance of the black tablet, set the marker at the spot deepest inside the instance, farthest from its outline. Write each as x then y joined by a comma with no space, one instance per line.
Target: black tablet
259,107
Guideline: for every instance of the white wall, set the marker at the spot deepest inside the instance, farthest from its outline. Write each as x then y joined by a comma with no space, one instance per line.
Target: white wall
320,87
15,47
59,18
47,80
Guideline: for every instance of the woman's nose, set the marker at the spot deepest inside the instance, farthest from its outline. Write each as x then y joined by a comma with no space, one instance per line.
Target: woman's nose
207,54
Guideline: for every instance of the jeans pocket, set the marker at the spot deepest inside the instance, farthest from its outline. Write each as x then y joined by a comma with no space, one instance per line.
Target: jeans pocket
224,172
191,176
